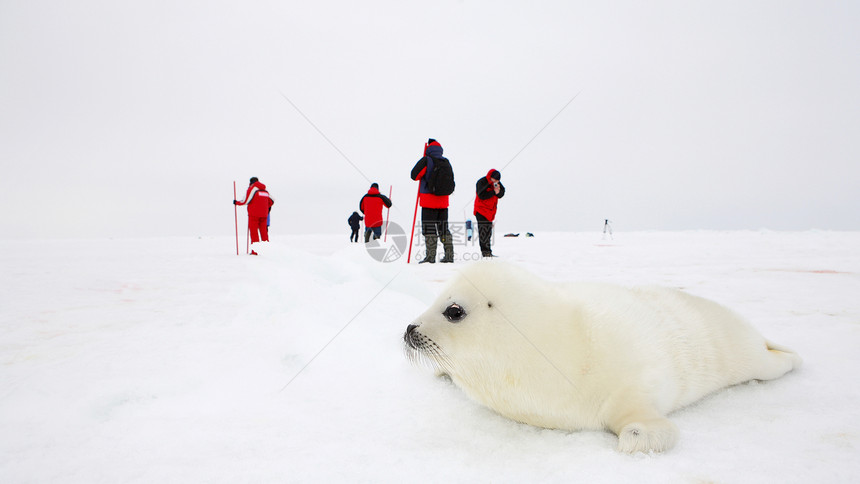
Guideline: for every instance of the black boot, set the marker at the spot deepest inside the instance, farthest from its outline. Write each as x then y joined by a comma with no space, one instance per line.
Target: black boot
431,250
449,250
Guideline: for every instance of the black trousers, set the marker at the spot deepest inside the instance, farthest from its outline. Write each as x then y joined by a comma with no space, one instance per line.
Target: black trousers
434,221
354,236
375,231
485,233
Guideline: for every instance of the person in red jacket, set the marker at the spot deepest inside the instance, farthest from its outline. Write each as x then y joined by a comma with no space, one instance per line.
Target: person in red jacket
488,191
434,208
371,206
259,204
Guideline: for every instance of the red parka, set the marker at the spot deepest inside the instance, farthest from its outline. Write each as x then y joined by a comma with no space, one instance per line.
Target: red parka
371,206
486,200
258,200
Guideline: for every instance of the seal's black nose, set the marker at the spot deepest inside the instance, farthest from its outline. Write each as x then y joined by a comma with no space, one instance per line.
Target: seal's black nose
407,336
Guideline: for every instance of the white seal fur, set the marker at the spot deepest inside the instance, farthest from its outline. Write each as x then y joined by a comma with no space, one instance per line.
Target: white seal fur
588,355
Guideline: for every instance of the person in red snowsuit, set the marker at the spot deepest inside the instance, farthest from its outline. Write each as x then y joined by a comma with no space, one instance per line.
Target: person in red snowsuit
434,208
259,204
488,191
371,206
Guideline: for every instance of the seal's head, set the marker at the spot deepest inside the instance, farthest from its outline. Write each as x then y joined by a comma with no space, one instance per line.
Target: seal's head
475,315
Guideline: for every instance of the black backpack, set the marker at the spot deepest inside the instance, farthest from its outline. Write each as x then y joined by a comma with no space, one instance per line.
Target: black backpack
441,179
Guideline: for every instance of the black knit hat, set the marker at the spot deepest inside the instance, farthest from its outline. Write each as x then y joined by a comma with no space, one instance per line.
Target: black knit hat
496,174
433,149
374,185
254,180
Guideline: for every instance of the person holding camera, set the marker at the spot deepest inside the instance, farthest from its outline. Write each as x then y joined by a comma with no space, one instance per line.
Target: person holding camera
488,191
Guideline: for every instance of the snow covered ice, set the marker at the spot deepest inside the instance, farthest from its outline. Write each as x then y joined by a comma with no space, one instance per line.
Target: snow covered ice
174,360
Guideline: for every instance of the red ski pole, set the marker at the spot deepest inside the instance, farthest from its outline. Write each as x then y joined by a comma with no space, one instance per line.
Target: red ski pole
387,212
415,215
236,217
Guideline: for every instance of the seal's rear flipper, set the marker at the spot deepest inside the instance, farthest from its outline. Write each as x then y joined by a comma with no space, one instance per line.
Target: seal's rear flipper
796,360
778,361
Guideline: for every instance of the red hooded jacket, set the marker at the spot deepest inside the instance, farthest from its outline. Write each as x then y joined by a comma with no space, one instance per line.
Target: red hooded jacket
258,200
486,200
371,206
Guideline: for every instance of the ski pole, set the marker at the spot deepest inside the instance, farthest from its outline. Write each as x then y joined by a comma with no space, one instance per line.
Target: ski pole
387,212
236,217
414,217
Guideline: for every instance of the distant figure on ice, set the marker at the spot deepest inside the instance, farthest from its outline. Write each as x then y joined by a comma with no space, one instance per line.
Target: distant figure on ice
488,191
259,205
436,179
469,230
607,229
354,224
371,206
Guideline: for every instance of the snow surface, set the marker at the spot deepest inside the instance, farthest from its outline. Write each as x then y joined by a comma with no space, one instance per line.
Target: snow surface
174,360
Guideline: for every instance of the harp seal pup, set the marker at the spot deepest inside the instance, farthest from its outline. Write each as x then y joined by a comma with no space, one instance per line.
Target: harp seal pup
578,356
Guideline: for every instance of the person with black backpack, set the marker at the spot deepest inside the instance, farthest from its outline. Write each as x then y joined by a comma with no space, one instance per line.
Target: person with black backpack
436,183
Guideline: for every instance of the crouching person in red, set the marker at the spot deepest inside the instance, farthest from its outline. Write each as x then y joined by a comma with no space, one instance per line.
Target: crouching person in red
259,204
488,191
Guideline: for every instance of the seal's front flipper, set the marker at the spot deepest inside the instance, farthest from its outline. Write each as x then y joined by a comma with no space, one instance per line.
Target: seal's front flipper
655,434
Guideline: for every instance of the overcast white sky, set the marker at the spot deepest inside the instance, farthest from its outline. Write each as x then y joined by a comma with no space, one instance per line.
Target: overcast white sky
134,118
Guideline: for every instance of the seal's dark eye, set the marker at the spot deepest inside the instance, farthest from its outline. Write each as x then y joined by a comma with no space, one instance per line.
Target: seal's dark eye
455,313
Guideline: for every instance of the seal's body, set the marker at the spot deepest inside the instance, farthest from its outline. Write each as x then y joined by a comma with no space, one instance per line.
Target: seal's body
588,356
